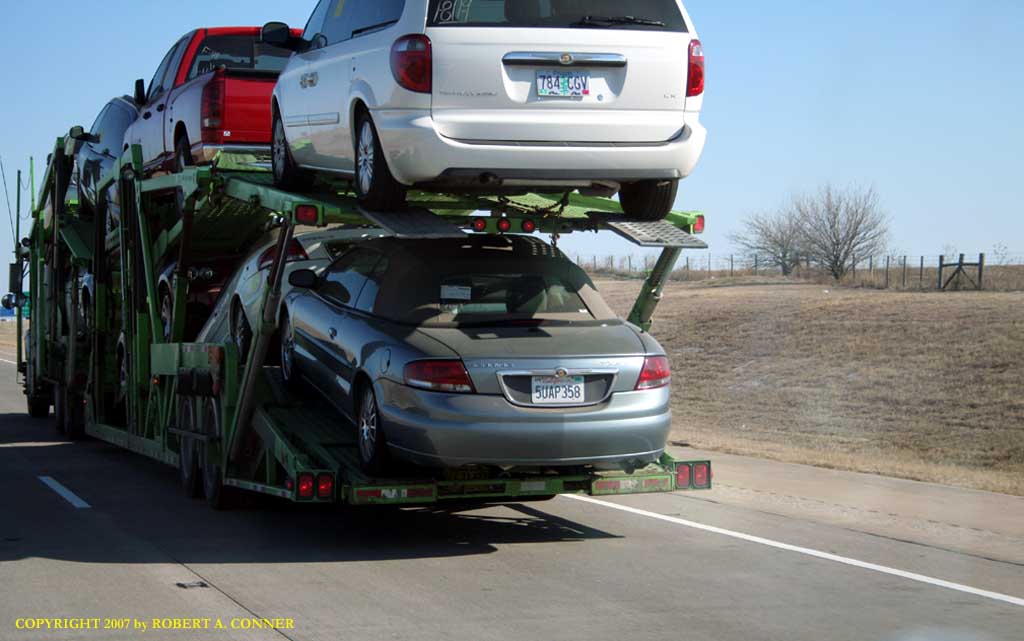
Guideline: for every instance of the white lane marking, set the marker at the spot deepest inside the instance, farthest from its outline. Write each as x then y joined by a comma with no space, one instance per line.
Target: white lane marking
4,360
65,493
959,587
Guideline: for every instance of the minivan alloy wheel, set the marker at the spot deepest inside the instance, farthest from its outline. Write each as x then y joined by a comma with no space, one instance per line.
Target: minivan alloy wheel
365,157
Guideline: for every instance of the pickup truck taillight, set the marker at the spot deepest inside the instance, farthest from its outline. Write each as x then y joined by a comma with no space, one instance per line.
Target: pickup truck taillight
213,109
412,64
695,75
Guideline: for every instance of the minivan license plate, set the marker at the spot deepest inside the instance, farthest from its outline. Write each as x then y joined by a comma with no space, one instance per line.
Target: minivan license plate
563,84
550,390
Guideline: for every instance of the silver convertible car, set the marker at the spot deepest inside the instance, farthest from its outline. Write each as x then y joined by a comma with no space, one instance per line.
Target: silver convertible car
488,350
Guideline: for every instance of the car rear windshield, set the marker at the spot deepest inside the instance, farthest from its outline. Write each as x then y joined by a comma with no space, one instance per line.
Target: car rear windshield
487,282
238,53
657,15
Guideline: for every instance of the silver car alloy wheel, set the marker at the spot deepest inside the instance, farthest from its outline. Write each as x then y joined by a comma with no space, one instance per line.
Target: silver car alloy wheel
167,316
365,159
279,149
287,350
368,426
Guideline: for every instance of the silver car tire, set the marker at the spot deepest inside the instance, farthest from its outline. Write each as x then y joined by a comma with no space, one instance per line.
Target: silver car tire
370,435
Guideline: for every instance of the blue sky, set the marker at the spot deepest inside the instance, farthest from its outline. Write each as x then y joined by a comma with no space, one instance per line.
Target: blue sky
921,100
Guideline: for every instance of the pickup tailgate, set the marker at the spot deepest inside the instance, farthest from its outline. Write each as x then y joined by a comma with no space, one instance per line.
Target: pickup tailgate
245,108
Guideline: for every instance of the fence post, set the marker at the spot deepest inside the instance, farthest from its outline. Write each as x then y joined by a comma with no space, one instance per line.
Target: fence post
687,268
871,269
854,269
920,275
904,272
731,265
755,264
942,264
629,263
981,271
887,272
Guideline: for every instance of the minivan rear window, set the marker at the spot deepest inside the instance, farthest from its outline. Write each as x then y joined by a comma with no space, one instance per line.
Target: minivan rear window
650,15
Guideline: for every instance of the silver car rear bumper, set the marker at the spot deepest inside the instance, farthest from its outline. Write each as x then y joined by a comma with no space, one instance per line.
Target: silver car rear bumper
449,430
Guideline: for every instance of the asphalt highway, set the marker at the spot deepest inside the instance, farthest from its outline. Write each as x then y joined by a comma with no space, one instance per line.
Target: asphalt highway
92,533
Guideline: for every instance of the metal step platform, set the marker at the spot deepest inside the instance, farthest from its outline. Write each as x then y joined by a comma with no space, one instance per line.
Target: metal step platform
655,233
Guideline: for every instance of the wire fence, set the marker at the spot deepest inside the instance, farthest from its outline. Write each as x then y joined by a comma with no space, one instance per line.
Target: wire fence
1002,271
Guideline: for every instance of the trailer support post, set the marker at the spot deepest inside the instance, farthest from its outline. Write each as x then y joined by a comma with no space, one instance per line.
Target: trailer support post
653,287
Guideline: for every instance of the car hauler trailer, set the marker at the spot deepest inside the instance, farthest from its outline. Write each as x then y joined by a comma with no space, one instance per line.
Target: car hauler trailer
116,367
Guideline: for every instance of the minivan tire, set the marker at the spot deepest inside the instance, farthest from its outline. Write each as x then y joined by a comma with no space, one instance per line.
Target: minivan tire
375,186
287,175
648,199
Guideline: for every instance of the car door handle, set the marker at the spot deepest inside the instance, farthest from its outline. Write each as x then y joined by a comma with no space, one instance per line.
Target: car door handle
333,333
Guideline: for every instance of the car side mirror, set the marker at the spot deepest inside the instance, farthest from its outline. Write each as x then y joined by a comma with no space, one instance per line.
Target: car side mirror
78,133
9,301
277,34
303,279
140,92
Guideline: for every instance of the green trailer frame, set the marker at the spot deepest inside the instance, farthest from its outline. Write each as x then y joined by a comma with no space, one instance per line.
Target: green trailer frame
122,360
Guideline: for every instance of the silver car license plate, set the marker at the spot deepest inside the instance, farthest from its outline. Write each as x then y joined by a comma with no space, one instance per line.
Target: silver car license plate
563,84
550,390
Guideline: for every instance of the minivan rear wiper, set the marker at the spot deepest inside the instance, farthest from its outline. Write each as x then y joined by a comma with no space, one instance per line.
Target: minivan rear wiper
607,21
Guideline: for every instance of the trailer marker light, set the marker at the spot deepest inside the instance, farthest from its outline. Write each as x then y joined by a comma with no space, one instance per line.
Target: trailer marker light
529,226
698,226
479,224
307,214
305,485
325,486
682,476
504,225
701,476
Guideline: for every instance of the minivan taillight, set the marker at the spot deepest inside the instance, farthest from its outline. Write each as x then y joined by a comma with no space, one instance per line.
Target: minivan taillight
695,75
295,252
439,376
212,111
411,63
655,374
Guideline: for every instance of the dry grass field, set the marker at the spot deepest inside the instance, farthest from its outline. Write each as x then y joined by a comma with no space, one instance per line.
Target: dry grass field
927,386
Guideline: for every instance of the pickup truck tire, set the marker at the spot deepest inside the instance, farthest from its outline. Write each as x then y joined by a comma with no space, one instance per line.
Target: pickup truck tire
182,153
375,186
287,175
648,199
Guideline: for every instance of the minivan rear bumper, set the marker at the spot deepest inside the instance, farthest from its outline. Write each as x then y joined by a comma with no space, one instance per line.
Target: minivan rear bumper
418,154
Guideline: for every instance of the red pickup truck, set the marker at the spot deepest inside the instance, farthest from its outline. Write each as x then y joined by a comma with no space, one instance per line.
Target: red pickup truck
211,93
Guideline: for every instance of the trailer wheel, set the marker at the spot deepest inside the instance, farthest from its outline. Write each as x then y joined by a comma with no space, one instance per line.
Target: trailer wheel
373,449
217,494
69,413
188,463
375,185
648,199
38,406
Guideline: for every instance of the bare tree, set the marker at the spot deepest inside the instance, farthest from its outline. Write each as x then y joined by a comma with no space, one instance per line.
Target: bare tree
840,224
774,237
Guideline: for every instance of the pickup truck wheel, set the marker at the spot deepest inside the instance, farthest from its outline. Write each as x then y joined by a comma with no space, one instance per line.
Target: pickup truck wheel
376,187
648,199
182,154
188,462
373,449
287,175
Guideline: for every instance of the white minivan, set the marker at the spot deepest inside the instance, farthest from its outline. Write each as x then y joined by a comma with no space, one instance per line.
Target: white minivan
492,97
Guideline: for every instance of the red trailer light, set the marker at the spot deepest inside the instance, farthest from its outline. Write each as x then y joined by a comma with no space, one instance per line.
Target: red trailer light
504,225
529,226
439,376
307,215
305,485
701,475
682,476
695,78
479,224
655,374
698,226
325,486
